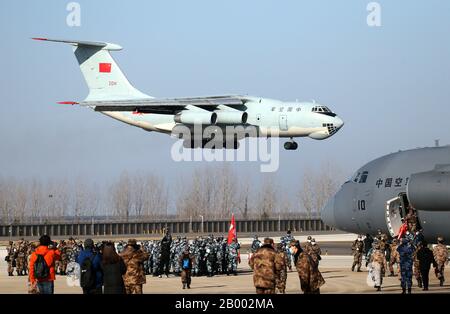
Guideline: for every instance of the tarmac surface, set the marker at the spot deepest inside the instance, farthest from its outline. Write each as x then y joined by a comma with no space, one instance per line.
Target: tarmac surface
335,267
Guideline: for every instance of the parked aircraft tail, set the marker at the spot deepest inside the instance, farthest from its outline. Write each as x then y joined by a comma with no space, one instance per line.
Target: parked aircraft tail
103,76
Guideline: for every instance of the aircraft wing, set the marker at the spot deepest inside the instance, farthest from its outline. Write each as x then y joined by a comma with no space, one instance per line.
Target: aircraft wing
167,105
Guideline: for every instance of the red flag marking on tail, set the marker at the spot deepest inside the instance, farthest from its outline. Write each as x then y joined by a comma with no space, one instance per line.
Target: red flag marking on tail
104,67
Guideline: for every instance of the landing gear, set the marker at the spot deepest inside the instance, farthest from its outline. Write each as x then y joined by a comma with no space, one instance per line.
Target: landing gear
291,145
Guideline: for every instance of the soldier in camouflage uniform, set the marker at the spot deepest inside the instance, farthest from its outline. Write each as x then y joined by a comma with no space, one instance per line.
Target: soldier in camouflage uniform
256,244
357,248
416,266
70,251
210,257
219,256
156,254
411,220
378,263
151,259
308,244
440,254
134,257
394,258
286,240
382,240
27,256
282,274
315,251
21,255
197,257
61,265
266,266
146,249
10,258
307,268
232,254
406,251
223,248
173,252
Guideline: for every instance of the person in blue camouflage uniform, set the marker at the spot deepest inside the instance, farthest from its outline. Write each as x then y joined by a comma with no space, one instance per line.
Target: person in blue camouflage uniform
197,257
146,263
223,248
286,241
406,251
180,246
156,255
210,257
232,253
219,255
256,244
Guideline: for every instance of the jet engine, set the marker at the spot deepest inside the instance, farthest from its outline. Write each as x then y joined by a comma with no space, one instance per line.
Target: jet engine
196,117
430,191
231,117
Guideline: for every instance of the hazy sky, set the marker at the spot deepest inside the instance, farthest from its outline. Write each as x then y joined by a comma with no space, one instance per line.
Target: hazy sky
390,84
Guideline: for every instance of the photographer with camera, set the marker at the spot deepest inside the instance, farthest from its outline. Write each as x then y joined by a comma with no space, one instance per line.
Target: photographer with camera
42,265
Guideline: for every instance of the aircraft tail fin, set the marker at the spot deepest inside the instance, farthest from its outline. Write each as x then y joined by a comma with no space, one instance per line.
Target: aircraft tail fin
103,76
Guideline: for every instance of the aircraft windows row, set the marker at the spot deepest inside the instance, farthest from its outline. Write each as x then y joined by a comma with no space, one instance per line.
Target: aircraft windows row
289,109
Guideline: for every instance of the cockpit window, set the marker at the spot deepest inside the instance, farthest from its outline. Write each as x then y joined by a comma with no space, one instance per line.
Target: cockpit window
321,109
364,176
357,177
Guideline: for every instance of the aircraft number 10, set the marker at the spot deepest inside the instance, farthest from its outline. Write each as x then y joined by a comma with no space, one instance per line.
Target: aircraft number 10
361,205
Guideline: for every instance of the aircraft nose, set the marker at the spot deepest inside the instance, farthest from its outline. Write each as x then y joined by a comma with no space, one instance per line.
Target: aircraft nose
327,213
338,122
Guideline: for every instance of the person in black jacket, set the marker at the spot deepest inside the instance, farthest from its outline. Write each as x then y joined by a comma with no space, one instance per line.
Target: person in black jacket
164,262
426,258
113,268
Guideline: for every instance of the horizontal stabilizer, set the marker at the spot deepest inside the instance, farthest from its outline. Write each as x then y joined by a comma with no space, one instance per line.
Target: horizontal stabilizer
103,45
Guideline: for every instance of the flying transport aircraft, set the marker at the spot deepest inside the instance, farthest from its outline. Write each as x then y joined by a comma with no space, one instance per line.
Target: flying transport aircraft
112,94
379,193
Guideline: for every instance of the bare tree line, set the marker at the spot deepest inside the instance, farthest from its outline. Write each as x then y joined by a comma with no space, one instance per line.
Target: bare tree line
211,192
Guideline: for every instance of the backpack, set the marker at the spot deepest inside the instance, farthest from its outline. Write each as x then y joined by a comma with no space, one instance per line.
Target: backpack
41,269
87,273
186,263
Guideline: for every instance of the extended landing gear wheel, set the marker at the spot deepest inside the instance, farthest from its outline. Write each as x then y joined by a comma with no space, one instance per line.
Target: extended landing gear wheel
290,146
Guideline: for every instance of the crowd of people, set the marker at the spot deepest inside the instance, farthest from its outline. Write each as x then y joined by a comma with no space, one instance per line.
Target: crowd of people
408,251
106,267
271,262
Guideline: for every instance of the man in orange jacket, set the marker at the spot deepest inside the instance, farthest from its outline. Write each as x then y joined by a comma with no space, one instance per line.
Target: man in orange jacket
50,254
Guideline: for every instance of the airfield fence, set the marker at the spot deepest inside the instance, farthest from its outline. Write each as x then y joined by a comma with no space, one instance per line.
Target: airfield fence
155,227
